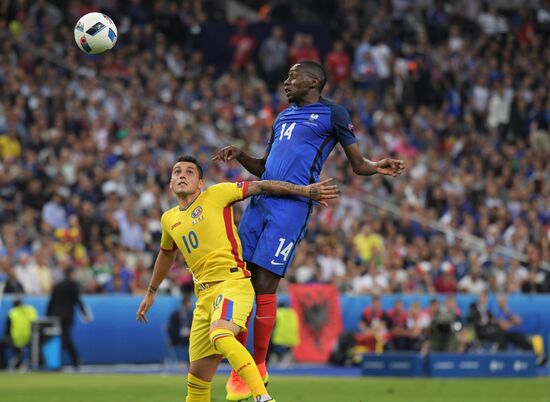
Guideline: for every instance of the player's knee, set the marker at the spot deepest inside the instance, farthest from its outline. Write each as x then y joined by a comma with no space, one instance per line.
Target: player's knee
224,324
219,333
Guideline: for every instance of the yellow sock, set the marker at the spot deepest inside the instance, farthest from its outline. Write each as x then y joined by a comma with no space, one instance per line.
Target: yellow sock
240,359
197,390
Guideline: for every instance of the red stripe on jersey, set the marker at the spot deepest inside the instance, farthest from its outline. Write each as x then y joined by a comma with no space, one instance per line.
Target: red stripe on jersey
245,189
228,220
224,309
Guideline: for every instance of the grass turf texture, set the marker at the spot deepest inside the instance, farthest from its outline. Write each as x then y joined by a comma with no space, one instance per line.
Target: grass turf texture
46,387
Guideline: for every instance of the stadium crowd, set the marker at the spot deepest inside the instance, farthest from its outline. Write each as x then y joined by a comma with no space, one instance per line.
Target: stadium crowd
460,93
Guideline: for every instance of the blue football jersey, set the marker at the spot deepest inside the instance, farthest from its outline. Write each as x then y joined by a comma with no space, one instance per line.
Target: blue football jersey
303,137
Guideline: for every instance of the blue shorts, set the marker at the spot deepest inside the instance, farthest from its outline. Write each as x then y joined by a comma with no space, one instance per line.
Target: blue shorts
270,230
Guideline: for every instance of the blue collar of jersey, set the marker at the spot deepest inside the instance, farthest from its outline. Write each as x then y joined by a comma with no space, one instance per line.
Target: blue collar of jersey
294,105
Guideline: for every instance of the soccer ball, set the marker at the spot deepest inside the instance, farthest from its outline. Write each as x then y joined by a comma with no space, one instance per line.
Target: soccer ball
95,33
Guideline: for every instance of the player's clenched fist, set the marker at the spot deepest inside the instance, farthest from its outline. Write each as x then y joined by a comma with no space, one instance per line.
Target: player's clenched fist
227,154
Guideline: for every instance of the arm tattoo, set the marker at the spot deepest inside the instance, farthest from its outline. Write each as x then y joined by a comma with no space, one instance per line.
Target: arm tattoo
313,192
278,188
289,186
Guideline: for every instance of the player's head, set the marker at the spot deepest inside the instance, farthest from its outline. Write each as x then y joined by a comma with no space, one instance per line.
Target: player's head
303,78
186,176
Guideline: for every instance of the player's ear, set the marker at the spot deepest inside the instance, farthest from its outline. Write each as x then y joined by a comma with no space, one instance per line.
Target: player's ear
201,183
314,83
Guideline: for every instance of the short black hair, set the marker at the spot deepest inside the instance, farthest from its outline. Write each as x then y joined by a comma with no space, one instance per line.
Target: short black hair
193,160
316,70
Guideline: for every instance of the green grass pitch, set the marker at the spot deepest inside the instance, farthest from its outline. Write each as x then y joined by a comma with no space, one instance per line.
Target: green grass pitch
46,387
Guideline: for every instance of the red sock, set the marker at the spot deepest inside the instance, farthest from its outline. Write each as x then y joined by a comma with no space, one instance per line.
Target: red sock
242,336
266,312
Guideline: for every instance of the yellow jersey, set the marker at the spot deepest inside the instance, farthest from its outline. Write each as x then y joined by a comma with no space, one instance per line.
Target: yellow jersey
206,234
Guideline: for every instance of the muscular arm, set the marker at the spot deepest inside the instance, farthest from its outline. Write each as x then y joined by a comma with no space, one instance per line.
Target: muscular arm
164,261
256,166
162,266
364,167
360,165
317,191
274,187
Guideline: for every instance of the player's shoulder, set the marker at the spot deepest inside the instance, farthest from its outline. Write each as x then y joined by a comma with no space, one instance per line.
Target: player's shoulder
289,109
214,188
338,113
334,107
327,102
169,213
219,189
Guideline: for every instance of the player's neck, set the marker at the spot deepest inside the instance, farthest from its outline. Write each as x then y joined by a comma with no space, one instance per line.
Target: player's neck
185,201
309,99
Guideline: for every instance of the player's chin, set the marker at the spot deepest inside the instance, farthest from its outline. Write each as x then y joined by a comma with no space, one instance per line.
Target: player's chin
181,191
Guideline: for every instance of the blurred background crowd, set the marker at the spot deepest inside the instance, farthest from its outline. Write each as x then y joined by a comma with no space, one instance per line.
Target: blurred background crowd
458,89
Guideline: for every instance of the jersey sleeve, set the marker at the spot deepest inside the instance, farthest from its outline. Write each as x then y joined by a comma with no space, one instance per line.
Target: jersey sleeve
342,126
166,241
228,193
271,139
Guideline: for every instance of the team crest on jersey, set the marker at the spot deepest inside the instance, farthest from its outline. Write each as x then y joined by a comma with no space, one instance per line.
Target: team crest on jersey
197,215
195,221
313,116
196,212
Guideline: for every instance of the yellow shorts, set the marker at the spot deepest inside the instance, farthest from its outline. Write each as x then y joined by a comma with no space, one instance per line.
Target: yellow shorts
230,300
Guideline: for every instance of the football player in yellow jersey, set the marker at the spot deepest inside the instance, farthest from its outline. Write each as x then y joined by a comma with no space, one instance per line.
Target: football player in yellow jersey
201,226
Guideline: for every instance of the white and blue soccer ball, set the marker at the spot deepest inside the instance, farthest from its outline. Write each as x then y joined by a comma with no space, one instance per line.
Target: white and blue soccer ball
95,33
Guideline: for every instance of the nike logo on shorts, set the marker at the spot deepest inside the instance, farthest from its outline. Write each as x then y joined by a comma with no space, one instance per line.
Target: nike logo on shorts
273,262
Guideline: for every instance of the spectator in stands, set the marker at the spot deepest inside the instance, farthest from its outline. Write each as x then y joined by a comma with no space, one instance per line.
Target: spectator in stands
274,58
27,275
446,280
373,327
534,282
473,282
368,242
243,44
331,263
44,272
303,48
12,284
418,324
338,64
399,339
54,213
